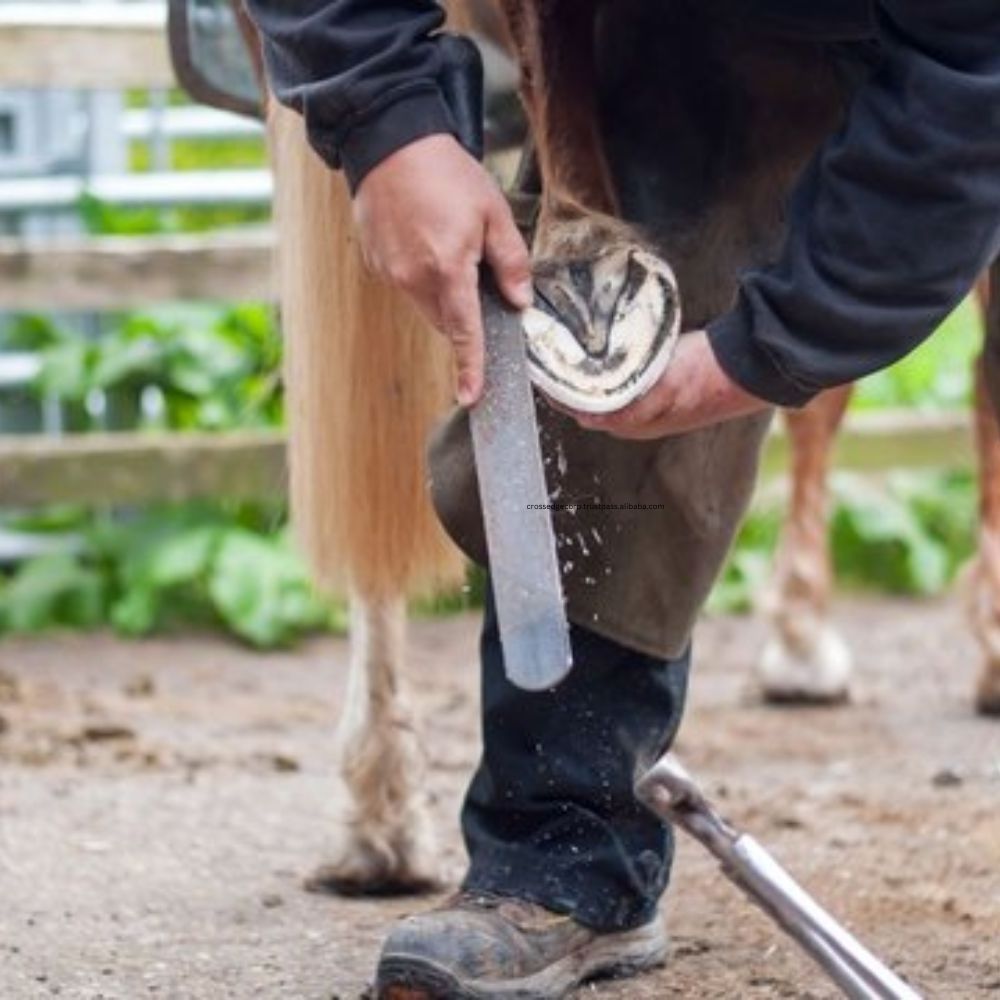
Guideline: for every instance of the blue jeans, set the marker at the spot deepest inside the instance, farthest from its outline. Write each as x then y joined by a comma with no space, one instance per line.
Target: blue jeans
550,816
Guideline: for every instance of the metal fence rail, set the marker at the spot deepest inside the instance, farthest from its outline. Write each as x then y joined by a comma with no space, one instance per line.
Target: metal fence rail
188,123
157,190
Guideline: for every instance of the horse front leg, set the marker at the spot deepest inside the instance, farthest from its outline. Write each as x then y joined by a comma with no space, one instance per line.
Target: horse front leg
983,590
805,659
386,843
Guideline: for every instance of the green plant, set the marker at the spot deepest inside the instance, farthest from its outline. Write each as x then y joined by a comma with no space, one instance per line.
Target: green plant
209,565
878,540
103,218
749,564
906,534
52,591
204,154
232,567
216,368
29,332
938,375
260,590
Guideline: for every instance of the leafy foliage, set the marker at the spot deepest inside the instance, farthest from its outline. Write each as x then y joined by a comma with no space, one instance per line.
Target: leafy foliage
904,533
215,368
53,590
936,376
259,589
207,368
101,218
749,565
232,567
194,564
908,534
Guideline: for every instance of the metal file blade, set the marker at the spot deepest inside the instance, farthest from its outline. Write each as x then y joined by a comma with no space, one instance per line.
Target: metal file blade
522,547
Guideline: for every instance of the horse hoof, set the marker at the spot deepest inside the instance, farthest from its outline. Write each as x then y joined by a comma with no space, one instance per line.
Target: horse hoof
817,675
332,880
366,872
603,329
988,693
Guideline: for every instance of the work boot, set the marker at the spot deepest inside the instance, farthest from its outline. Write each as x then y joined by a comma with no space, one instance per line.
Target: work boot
481,947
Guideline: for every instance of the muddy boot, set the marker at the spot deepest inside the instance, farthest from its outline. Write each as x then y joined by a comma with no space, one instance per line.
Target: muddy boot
480,946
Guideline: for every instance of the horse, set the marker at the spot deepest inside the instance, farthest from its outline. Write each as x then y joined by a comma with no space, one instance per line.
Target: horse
805,659
367,381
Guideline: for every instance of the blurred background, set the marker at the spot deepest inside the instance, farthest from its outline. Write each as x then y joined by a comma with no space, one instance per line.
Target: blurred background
141,483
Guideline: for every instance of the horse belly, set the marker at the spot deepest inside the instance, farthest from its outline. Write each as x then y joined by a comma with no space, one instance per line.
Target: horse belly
706,127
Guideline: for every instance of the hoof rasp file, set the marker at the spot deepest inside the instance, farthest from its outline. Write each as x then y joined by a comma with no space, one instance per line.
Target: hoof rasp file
524,568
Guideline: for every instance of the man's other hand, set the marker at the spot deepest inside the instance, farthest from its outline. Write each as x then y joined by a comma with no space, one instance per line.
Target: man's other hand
694,392
427,217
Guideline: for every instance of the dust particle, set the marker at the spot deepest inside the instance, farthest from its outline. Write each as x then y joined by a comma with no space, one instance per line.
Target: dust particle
104,732
284,764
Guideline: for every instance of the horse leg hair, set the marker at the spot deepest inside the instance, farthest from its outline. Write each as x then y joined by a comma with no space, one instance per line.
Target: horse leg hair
365,381
386,842
805,659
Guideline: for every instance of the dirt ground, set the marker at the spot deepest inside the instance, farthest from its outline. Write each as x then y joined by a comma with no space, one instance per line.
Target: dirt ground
161,802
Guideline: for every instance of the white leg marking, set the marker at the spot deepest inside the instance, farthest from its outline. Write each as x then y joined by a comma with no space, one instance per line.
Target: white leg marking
386,842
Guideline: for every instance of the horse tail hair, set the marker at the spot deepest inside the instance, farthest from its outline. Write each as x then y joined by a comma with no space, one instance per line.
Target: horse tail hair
365,380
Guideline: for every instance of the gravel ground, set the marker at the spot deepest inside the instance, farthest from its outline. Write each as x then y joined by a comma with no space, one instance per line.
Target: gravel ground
161,803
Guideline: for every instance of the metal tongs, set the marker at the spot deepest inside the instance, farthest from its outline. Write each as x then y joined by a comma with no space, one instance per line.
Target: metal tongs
670,792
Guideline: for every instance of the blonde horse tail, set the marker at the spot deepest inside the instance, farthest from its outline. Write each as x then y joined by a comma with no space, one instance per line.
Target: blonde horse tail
366,381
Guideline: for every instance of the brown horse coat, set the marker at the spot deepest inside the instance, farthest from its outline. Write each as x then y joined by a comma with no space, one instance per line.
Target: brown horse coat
644,527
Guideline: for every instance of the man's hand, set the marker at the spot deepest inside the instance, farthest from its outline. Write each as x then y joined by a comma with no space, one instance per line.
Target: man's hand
427,217
694,392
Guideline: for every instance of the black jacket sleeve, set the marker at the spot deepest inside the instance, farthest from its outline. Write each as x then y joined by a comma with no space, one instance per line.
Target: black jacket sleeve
892,221
364,73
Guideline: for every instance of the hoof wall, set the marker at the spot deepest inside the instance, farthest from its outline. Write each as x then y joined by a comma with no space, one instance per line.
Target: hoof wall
604,328
336,880
817,675
988,695
789,697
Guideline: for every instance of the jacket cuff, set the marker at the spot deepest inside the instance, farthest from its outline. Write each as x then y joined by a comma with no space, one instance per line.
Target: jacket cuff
746,360
396,121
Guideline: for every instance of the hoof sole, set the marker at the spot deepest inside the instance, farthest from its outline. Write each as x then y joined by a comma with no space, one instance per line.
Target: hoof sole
604,330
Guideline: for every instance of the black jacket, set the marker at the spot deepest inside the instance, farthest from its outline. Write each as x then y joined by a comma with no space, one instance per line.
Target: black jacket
889,226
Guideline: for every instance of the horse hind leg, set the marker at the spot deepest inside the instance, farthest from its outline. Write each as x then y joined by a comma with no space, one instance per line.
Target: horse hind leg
983,579
386,843
806,660
596,170
365,383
